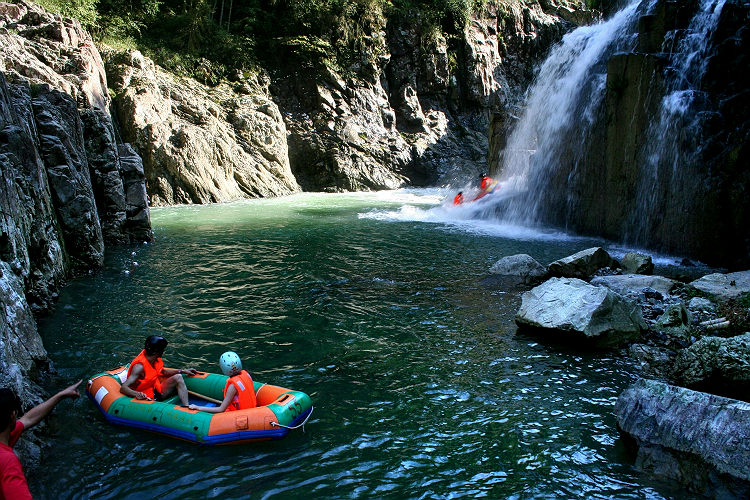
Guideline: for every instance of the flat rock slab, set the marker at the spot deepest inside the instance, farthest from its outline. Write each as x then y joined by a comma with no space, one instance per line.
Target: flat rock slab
634,283
726,286
713,428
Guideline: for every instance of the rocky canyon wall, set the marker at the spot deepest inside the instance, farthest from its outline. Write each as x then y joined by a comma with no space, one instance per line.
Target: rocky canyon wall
414,109
69,186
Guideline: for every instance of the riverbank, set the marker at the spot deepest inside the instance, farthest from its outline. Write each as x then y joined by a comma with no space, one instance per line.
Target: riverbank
691,345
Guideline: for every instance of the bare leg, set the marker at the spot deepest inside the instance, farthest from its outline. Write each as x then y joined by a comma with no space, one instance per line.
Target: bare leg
176,381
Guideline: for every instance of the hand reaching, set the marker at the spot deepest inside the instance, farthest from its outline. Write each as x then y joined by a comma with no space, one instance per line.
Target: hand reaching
71,391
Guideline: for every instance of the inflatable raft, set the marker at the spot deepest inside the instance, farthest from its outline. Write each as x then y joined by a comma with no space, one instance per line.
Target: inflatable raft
279,410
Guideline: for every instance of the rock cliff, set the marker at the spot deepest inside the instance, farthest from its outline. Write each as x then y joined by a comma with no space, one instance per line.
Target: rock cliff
69,187
413,109
200,144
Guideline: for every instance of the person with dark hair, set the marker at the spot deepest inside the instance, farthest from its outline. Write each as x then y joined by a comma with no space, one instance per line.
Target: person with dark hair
12,479
147,377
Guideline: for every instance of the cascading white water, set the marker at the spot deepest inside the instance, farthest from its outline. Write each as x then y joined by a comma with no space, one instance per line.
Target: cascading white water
567,91
670,152
551,159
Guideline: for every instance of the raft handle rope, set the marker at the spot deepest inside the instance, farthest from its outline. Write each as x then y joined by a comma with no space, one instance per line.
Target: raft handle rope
296,426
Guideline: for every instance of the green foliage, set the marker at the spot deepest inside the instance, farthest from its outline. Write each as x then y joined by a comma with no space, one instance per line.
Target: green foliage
83,10
216,38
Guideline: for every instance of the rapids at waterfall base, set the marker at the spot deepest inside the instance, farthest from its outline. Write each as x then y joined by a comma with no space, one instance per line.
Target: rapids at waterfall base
636,129
378,306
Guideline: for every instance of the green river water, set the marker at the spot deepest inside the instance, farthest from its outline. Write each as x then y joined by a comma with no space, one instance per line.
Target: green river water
377,305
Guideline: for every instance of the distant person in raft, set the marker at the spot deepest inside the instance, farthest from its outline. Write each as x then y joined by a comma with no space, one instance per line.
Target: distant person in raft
147,377
459,198
486,184
239,393
12,479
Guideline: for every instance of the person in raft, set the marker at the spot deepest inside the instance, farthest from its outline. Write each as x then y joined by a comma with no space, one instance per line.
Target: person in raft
486,185
12,479
239,393
459,198
147,377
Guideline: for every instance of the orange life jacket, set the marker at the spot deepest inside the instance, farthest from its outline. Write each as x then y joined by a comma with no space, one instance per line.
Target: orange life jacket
458,199
245,397
486,181
151,374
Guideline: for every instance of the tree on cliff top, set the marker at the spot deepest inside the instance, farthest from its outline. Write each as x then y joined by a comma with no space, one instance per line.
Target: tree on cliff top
183,34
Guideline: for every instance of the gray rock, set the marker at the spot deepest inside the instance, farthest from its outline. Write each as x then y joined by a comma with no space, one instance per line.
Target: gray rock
653,362
582,264
701,304
637,263
200,144
675,321
569,307
714,429
523,266
632,284
724,286
715,362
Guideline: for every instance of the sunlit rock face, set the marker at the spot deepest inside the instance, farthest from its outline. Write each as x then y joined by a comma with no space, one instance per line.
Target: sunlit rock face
200,144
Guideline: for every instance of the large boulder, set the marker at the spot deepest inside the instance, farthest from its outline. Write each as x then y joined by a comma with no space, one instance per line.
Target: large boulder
724,286
721,365
569,307
679,432
582,264
637,263
522,266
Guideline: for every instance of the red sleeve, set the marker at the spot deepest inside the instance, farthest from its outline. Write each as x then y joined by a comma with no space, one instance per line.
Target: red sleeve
12,481
15,433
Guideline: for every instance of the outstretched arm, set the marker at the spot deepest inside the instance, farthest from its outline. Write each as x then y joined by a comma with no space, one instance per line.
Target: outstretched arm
231,392
37,413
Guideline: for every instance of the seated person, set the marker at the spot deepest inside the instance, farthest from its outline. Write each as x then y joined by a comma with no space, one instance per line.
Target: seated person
239,393
147,377
486,185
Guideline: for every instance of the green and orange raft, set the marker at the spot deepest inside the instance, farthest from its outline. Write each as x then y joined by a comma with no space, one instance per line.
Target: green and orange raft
279,410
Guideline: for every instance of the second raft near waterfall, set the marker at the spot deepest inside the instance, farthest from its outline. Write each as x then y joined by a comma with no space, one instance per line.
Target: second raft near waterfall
279,410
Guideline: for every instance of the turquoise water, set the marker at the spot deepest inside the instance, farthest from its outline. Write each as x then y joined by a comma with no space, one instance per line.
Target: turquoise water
377,305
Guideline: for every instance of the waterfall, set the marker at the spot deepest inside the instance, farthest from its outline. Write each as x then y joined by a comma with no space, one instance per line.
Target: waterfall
560,108
670,179
563,167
